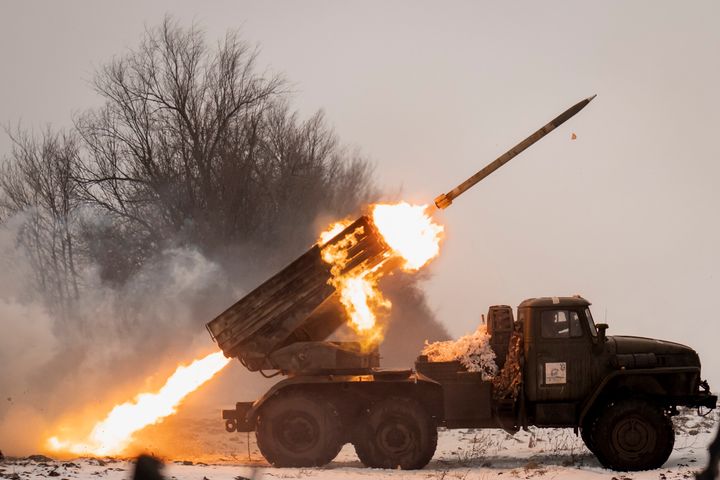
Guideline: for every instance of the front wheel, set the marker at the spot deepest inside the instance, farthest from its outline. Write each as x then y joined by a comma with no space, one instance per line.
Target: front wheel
298,430
396,433
633,434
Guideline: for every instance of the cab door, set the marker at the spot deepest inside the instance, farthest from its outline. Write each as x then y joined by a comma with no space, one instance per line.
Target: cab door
560,354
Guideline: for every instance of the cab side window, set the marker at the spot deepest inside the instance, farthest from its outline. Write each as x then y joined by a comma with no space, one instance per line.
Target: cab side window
560,324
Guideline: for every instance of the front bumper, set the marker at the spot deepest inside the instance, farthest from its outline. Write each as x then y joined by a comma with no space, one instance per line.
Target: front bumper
701,399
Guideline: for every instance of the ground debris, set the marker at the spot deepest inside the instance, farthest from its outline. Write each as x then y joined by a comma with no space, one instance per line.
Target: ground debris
40,458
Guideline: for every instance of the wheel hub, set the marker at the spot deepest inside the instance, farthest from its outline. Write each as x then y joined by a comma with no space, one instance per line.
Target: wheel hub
633,437
395,437
297,431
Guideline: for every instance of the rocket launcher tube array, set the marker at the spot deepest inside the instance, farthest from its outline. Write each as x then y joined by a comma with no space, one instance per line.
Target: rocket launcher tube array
287,308
445,200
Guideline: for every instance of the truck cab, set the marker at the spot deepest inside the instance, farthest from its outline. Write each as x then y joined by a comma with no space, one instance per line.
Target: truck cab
620,392
562,351
570,361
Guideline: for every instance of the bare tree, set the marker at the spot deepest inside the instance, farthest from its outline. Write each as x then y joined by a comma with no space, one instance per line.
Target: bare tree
194,145
158,146
302,170
37,181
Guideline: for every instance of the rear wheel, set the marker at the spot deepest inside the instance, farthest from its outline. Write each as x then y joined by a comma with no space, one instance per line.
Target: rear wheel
298,430
633,434
397,433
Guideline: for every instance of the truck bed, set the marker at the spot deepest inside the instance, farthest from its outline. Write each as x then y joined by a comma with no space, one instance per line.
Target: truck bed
467,398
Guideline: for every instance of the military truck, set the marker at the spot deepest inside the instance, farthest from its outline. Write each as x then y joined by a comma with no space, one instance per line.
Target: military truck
618,392
558,369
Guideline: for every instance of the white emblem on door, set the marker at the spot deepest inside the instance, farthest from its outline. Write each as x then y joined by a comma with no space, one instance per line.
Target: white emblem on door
555,373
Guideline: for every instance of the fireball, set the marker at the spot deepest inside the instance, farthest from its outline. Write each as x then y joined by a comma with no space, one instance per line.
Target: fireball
410,235
409,232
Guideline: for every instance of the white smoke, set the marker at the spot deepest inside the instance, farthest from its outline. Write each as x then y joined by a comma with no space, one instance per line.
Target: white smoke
112,340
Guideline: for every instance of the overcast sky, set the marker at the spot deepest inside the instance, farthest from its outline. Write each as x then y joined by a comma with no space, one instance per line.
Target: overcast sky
626,214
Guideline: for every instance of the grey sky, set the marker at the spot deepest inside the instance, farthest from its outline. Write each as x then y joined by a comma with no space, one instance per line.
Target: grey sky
626,215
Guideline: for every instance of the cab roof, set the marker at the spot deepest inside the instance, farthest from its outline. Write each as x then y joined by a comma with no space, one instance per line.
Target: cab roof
574,301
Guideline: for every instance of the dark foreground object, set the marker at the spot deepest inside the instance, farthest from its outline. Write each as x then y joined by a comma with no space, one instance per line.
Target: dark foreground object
711,471
148,468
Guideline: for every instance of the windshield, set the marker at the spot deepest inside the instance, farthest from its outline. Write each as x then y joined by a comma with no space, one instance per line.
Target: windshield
591,324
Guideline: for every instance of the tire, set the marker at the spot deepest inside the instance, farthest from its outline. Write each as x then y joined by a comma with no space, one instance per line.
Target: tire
298,430
633,434
396,433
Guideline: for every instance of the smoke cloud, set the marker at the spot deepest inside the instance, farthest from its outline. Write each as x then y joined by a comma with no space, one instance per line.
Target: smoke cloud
69,370
111,342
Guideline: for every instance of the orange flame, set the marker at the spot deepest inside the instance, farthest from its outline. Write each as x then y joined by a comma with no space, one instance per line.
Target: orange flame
410,234
114,434
357,289
333,230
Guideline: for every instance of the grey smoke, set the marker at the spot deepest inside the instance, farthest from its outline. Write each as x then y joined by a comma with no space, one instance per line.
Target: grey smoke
120,338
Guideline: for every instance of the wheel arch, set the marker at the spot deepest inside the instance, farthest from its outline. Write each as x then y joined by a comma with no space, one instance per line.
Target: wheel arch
654,383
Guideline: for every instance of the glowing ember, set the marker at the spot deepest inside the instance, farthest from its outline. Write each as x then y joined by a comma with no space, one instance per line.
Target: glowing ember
411,236
409,232
112,435
333,230
357,289
361,299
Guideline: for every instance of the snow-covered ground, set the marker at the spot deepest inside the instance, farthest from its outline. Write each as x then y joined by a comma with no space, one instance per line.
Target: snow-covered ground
461,454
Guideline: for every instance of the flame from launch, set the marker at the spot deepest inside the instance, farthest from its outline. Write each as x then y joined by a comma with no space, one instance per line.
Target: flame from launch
114,434
411,236
409,232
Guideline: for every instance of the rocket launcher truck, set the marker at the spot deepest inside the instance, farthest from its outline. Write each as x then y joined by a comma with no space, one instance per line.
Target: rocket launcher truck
558,369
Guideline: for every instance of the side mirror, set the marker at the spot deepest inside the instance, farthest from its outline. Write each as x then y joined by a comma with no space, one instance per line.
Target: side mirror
601,327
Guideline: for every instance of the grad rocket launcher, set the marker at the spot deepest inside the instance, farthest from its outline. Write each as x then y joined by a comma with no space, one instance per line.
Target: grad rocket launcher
283,323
